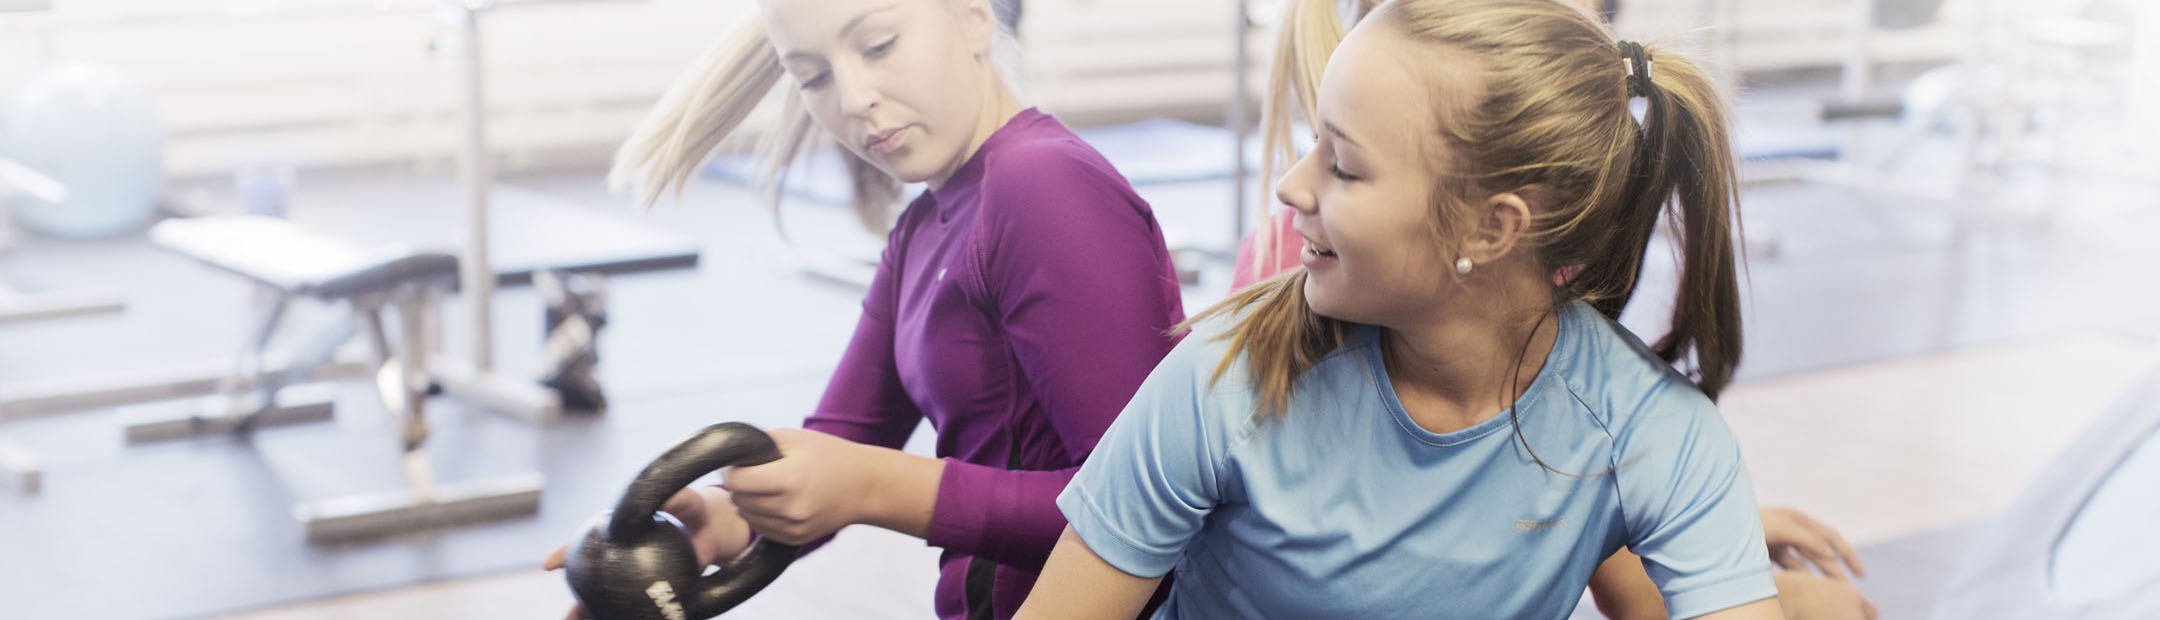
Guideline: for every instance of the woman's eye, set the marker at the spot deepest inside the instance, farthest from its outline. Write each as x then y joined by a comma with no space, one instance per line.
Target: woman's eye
881,49
1336,169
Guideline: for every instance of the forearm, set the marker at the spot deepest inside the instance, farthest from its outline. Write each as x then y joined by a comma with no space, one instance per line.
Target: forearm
1076,583
903,490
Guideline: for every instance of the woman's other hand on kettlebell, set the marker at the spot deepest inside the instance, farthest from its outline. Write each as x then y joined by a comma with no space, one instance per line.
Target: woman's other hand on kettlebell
707,513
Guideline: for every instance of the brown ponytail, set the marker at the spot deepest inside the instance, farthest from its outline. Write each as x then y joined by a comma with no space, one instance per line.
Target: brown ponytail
1687,165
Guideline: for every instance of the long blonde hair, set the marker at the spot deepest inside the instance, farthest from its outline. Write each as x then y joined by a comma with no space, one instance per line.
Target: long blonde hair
1309,32
1551,122
721,90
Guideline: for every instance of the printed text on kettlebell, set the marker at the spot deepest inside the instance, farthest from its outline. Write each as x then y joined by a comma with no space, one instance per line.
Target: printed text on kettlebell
664,597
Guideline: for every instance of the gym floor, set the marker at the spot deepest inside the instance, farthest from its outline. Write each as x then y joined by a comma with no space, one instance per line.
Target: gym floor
1911,365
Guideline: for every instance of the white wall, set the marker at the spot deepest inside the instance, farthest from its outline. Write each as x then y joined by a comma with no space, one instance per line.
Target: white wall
1757,35
2144,104
362,88
346,86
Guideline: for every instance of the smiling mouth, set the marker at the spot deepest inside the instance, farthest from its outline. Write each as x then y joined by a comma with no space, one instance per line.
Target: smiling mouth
1316,248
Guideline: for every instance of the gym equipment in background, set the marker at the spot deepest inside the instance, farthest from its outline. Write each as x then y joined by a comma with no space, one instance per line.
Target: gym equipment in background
17,306
637,564
279,256
1992,102
474,379
2080,542
93,129
19,465
530,232
576,310
55,133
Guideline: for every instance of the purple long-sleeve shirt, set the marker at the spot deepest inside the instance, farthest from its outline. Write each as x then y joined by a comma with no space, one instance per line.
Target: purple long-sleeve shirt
1018,306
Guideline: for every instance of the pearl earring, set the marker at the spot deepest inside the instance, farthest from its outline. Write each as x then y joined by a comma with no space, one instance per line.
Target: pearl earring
1462,266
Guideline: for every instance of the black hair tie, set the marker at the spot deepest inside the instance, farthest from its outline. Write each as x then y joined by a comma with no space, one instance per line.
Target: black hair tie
1636,61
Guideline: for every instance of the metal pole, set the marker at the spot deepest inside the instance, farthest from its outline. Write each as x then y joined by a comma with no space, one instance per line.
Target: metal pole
1859,27
1719,22
1239,176
478,277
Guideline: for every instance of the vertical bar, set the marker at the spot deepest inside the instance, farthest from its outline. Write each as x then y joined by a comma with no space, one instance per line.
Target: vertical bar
2144,90
1239,176
478,276
1856,73
1719,20
1859,27
412,362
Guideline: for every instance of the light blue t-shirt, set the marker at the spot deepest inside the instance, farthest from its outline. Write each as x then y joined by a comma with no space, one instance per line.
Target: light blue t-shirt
1345,508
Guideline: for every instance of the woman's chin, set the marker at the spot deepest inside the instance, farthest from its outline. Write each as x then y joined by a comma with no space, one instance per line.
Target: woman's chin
905,171
1324,302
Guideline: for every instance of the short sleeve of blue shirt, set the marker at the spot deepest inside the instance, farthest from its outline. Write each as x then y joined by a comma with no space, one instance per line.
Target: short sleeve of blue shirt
1690,509
1147,489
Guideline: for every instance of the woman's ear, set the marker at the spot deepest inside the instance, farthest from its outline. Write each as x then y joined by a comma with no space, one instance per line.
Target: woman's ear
979,23
1502,224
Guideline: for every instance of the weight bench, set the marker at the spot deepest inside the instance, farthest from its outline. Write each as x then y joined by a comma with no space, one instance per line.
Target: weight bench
291,262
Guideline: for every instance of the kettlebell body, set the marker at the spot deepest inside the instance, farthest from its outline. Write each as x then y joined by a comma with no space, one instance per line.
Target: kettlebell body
638,563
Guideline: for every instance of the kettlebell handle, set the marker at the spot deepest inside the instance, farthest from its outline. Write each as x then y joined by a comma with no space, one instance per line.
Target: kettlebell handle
720,445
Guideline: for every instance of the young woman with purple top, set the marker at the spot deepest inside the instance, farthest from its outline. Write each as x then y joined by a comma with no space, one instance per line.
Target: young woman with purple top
1019,302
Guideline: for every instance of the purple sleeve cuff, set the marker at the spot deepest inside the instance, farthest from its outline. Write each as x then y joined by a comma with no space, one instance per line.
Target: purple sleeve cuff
1010,517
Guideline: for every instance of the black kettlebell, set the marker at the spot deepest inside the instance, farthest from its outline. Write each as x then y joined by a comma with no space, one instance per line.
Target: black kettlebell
637,563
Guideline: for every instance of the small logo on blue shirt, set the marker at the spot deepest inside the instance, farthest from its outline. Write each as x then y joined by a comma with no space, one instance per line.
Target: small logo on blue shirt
1548,524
